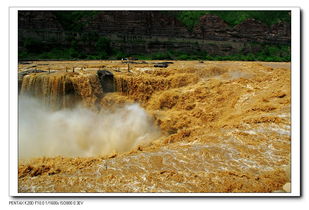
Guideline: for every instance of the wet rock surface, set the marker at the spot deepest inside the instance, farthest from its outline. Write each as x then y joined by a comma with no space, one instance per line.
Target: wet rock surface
161,65
107,80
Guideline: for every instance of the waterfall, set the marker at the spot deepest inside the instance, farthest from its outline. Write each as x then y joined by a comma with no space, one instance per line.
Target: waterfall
63,89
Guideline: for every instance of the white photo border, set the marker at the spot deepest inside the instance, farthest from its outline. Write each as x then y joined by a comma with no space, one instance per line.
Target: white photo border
295,105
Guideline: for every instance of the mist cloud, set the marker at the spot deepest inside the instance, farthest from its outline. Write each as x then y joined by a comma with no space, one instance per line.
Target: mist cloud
81,132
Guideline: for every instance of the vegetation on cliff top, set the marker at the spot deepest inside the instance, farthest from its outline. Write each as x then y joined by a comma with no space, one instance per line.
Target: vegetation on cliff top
191,18
277,53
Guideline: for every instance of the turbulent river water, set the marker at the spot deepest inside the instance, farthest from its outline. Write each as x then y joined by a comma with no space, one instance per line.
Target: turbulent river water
190,127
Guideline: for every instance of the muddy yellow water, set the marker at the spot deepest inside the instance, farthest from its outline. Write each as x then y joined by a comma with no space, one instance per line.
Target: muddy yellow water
225,128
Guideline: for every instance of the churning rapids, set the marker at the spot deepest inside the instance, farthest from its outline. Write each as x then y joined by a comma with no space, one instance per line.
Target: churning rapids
191,127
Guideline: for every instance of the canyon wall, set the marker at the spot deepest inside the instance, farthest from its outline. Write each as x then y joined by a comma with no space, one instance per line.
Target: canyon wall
137,32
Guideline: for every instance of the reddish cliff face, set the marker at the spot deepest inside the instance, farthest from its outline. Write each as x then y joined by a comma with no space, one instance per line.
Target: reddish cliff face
212,27
142,23
280,32
38,20
252,30
41,26
214,22
281,29
251,27
154,31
